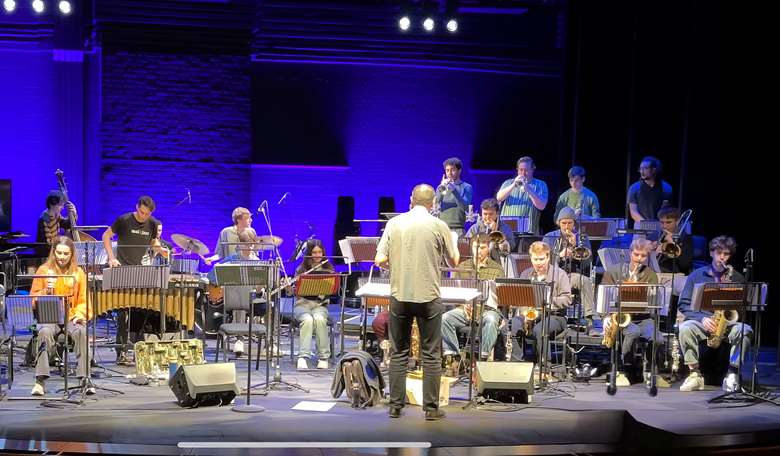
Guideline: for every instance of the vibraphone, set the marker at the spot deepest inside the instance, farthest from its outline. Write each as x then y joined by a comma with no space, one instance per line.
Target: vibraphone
181,296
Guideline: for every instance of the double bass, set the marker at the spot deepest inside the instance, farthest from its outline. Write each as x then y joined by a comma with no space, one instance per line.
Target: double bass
75,234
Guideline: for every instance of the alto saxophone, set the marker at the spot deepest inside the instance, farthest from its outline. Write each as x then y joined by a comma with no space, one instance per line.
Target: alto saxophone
722,318
610,331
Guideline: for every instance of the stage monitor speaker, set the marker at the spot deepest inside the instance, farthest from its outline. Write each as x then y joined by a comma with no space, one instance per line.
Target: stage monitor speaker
505,381
205,384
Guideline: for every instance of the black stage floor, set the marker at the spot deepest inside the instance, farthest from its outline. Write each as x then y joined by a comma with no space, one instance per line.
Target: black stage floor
580,418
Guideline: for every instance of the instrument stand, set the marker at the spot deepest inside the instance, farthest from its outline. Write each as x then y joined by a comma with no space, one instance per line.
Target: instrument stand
248,407
742,395
475,349
87,383
276,326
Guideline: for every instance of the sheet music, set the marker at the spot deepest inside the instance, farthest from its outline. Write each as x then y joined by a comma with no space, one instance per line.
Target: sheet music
656,298
754,302
448,294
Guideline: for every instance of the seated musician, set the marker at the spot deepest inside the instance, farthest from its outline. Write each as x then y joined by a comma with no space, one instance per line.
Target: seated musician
457,318
312,311
642,325
489,223
62,261
543,271
574,257
242,222
244,252
669,259
700,325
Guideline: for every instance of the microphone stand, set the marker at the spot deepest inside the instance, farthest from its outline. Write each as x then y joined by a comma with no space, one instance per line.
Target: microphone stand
275,326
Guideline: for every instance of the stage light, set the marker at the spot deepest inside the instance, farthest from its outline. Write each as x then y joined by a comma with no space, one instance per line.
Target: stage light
428,24
452,25
9,5
404,23
64,6
38,6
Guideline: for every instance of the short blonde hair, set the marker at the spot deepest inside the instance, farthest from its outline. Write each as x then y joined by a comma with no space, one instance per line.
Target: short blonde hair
238,212
539,248
641,244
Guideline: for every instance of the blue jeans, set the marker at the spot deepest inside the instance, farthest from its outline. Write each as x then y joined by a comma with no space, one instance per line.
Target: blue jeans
456,319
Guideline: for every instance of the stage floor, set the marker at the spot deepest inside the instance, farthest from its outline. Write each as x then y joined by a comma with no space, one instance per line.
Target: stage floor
575,418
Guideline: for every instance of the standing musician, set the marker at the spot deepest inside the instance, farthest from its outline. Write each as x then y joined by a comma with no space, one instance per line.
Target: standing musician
647,196
574,256
61,261
51,222
543,271
228,237
524,196
453,196
312,311
642,325
578,197
488,223
459,317
701,325
132,229
412,246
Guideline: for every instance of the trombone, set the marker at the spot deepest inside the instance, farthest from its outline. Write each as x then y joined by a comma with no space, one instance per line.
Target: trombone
672,248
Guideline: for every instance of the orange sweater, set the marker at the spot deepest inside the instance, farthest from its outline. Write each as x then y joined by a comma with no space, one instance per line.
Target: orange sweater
64,286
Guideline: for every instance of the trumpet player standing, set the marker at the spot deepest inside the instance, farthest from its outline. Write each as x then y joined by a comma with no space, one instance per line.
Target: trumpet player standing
523,195
700,325
578,197
453,196
641,325
574,257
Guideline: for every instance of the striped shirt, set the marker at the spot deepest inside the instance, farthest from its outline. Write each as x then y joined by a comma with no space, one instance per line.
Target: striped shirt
519,204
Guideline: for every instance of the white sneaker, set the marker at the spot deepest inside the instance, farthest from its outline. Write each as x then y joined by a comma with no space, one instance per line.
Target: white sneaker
302,364
238,347
694,382
731,383
322,364
38,390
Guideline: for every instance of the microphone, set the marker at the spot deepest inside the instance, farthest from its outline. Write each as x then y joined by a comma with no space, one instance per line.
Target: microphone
286,194
263,206
189,196
749,255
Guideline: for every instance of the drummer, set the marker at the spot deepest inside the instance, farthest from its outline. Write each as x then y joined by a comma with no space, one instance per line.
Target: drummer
229,236
245,252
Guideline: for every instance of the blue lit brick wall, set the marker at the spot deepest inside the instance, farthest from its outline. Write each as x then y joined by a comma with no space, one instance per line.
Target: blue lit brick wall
172,122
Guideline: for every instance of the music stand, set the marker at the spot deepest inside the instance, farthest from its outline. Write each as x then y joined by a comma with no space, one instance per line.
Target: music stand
49,309
86,256
360,249
743,297
631,298
320,284
525,293
247,275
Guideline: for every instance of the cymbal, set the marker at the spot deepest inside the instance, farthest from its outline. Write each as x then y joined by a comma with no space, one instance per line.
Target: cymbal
267,242
14,235
190,244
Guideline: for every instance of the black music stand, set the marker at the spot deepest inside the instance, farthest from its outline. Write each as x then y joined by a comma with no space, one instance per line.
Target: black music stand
247,275
637,298
742,297
320,284
87,252
525,293
360,249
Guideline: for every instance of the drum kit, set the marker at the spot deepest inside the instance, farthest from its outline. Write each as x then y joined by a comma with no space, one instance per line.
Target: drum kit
209,309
